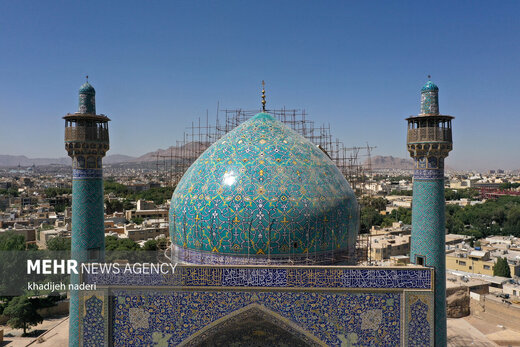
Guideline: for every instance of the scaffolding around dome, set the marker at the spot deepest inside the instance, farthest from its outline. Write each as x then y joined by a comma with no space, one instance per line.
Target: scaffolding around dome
174,161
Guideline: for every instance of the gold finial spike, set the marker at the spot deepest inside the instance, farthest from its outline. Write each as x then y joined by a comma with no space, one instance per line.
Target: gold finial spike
263,96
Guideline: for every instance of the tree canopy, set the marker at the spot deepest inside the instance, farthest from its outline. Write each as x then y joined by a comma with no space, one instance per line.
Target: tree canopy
59,243
501,268
157,195
10,241
494,217
22,314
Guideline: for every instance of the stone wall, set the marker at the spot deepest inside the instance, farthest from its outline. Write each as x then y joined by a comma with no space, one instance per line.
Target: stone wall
457,302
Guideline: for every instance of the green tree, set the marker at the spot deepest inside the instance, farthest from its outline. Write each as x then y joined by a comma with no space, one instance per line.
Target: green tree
401,192
12,191
118,206
501,268
137,220
157,195
110,186
369,217
113,206
494,217
378,203
54,192
509,185
12,253
21,312
113,243
59,243
150,245
9,241
59,208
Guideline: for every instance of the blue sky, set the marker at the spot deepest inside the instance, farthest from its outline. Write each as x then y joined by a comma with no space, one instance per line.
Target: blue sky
158,65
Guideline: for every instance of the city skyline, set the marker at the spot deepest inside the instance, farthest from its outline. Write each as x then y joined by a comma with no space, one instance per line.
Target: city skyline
157,67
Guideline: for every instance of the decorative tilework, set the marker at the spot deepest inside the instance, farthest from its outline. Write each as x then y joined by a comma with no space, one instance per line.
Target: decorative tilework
88,233
78,174
295,277
205,258
87,99
252,325
192,307
428,174
419,317
93,323
430,87
428,240
330,317
430,99
263,190
88,228
74,318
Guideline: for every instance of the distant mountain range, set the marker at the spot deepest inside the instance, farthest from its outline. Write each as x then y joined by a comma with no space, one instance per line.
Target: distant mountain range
173,151
22,160
378,162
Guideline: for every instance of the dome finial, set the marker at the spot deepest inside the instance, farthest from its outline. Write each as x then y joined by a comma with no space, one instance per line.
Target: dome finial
429,77
263,96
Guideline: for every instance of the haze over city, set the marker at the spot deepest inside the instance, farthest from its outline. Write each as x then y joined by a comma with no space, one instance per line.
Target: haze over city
358,66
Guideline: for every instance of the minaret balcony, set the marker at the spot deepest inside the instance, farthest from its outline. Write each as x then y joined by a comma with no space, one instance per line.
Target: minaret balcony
429,134
86,134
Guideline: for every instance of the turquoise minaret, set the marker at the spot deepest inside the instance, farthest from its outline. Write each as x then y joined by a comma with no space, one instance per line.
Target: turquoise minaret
429,142
86,142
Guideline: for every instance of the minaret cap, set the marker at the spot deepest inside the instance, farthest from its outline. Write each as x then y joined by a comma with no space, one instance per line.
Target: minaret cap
87,99
430,98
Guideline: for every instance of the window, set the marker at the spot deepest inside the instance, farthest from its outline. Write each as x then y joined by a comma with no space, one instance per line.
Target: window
419,259
487,267
463,263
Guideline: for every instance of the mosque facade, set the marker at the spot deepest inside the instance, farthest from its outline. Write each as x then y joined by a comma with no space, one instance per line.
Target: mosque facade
263,228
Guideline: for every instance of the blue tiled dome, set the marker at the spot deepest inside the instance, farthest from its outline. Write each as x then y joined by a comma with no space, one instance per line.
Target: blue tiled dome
430,87
263,193
87,88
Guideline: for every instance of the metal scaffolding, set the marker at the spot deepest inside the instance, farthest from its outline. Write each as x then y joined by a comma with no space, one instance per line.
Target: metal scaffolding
202,133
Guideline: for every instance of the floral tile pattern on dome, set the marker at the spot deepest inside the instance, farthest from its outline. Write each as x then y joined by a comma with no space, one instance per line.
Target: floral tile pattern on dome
264,190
